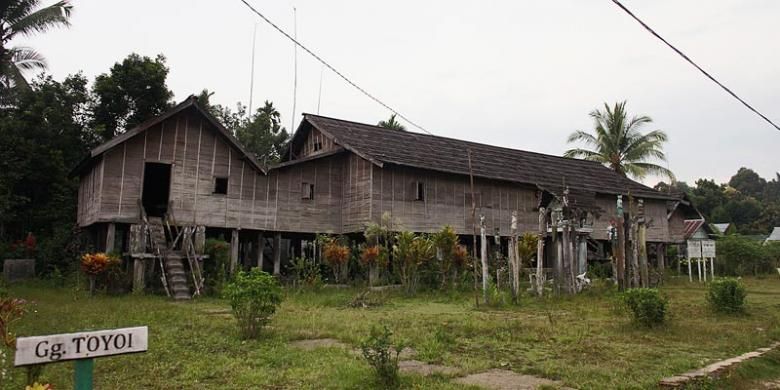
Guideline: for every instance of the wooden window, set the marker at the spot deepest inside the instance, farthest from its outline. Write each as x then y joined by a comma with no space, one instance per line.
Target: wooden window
220,185
317,146
307,191
419,190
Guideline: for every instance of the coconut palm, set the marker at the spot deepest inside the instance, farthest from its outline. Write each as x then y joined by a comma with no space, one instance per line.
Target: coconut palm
620,144
25,18
391,124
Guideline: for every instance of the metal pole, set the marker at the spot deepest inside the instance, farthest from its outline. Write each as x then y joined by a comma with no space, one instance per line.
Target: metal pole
83,374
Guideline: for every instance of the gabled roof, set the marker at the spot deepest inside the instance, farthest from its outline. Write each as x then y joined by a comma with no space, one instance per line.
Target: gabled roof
691,226
722,227
190,103
384,146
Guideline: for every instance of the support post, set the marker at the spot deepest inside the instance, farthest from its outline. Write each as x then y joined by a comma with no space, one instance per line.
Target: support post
704,265
260,247
83,374
110,237
698,265
277,253
660,253
139,279
233,251
690,272
712,267
582,252
483,256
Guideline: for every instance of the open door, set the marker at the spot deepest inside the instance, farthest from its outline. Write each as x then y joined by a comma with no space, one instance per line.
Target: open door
157,184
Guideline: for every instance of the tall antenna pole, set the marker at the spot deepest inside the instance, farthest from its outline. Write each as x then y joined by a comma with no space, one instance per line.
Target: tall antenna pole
319,96
252,73
295,76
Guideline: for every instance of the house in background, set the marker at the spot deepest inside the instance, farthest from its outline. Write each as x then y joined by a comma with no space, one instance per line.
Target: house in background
725,229
774,236
156,191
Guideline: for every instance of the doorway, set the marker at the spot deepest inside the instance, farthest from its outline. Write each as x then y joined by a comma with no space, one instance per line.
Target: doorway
157,184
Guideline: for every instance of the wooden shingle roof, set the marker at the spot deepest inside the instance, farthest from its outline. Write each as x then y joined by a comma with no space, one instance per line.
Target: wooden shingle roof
384,146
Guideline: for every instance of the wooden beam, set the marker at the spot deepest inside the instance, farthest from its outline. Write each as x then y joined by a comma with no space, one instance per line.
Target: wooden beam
260,247
110,237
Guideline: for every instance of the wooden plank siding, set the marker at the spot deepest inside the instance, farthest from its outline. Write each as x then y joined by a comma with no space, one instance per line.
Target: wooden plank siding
349,191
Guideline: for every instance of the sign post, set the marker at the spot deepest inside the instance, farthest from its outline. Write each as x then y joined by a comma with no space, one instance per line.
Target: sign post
694,252
708,252
82,347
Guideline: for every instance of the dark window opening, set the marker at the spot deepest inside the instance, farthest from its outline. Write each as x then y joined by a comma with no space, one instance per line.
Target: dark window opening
317,146
157,184
419,191
307,191
220,185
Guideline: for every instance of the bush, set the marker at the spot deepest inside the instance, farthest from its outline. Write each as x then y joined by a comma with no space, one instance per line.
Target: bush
727,295
740,256
378,349
646,305
305,273
254,296
215,268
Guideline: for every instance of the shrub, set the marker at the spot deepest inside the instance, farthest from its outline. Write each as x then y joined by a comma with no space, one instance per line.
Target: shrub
305,273
411,253
727,295
382,355
215,268
337,255
740,256
253,296
646,305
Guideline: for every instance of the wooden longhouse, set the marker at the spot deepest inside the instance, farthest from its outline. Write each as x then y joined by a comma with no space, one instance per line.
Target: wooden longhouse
156,191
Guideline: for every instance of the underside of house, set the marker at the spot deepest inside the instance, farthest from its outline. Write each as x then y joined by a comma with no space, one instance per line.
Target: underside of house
156,192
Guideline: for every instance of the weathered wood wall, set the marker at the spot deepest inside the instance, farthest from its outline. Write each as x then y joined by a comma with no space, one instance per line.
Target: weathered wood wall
447,201
677,227
655,215
314,138
89,194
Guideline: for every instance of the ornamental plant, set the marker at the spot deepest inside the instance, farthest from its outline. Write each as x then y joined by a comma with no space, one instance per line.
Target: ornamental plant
254,297
94,264
373,257
337,255
410,253
382,355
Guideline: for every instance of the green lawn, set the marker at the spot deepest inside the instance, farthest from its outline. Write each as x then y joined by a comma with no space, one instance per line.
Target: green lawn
581,341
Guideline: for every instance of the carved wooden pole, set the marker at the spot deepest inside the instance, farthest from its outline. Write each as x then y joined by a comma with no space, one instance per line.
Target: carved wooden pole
540,251
642,244
514,259
474,226
632,238
620,251
483,255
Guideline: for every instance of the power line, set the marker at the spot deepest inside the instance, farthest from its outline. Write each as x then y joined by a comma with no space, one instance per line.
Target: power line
345,78
648,28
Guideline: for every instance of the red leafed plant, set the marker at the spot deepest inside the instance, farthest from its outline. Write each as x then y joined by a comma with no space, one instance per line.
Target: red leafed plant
94,264
11,310
337,257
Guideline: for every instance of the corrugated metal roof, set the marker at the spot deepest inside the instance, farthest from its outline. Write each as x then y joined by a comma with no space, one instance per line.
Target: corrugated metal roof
722,227
691,226
775,235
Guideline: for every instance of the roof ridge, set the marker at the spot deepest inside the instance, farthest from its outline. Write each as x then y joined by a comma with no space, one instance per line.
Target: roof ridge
459,140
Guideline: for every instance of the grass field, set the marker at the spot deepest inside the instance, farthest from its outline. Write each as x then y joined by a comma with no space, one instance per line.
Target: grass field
581,341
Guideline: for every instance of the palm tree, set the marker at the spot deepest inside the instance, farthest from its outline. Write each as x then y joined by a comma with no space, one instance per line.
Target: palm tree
391,124
24,18
619,143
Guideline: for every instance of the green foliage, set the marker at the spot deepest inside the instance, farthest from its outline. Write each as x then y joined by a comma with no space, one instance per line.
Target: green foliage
366,299
133,91
392,124
382,355
619,143
526,248
215,268
22,18
445,243
646,305
411,252
740,256
305,273
727,295
254,297
600,270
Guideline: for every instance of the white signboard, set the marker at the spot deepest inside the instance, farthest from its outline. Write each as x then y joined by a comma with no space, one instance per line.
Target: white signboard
84,345
708,248
694,249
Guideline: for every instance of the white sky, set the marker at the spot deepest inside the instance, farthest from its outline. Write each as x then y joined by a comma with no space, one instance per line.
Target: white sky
522,74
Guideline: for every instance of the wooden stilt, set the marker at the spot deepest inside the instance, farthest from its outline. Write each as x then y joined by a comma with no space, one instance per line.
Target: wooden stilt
233,251
110,237
540,251
277,253
260,247
620,251
483,257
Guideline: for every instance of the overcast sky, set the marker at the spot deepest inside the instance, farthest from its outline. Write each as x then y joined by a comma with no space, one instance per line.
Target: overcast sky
522,74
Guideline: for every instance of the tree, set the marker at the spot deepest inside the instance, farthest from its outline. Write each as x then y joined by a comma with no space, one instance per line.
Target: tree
748,182
619,143
263,133
673,187
24,18
392,124
132,92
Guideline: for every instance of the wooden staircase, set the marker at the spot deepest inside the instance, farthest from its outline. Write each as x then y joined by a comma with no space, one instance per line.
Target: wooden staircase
174,274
